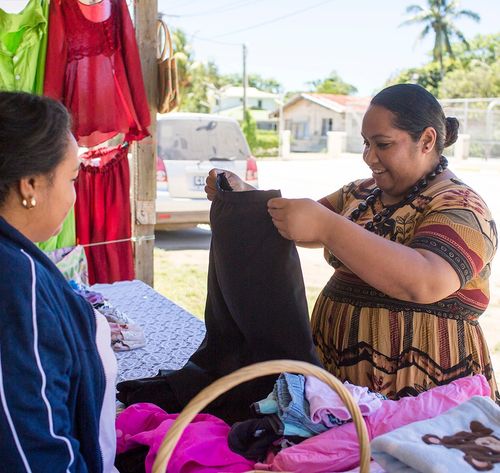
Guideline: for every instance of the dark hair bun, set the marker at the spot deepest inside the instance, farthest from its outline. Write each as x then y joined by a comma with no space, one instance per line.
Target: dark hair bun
451,131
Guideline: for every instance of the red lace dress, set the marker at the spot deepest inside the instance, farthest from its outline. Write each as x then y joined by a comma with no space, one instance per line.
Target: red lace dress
95,70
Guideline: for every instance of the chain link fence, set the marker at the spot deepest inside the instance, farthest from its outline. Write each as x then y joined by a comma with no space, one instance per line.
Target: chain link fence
479,118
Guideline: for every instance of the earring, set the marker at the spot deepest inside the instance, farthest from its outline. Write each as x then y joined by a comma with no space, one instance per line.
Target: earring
32,203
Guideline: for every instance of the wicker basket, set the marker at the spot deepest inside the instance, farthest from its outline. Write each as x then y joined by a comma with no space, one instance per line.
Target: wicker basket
207,395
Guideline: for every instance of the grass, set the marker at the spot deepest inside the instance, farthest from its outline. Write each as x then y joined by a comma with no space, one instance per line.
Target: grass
182,281
182,277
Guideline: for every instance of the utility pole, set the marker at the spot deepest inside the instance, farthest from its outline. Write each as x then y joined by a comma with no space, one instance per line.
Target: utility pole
245,81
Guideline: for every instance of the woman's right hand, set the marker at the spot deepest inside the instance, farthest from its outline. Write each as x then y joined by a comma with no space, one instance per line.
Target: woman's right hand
236,183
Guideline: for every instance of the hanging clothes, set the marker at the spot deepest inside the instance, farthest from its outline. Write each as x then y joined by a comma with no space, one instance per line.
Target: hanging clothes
102,212
23,44
65,238
95,70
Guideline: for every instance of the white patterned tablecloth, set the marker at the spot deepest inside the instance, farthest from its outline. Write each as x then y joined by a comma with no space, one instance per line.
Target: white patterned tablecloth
172,334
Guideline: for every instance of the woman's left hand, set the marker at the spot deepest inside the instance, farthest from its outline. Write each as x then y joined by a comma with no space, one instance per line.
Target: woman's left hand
300,220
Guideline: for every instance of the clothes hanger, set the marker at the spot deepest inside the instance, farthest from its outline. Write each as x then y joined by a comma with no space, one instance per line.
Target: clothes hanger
95,10
90,2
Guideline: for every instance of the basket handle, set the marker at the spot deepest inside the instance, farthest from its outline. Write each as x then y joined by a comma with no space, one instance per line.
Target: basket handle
207,395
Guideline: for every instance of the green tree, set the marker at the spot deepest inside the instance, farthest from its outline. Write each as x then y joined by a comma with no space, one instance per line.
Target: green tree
194,95
479,80
333,84
249,128
473,72
428,76
183,54
438,16
483,48
194,77
254,80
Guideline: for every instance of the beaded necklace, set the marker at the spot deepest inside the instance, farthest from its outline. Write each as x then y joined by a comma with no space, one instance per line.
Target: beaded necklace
380,217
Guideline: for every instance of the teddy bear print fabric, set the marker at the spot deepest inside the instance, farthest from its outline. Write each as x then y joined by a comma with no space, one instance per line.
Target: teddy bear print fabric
465,438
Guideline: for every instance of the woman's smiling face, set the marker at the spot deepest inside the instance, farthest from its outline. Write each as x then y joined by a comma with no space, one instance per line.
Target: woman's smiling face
396,160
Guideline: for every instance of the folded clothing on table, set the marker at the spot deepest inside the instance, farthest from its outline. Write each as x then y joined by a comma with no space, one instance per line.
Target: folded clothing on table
464,439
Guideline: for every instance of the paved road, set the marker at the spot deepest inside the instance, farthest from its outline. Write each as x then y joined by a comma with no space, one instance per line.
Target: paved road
190,239
315,178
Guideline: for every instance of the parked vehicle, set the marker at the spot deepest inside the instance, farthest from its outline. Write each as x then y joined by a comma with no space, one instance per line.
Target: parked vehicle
189,145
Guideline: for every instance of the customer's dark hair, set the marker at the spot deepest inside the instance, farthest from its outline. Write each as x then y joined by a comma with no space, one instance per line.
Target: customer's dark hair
414,110
33,137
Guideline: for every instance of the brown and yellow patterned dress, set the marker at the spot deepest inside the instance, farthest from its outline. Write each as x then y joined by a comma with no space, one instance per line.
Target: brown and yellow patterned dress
400,348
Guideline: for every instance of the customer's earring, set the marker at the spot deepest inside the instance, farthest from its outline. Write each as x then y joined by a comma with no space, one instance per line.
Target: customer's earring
32,203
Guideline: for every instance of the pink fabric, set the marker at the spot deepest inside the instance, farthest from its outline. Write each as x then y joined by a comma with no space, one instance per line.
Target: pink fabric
323,400
338,450
374,468
202,447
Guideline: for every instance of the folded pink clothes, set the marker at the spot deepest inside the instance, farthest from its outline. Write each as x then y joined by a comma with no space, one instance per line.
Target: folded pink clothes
324,401
202,447
338,449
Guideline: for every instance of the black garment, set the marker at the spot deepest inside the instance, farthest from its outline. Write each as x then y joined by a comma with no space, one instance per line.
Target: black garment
256,308
252,438
133,460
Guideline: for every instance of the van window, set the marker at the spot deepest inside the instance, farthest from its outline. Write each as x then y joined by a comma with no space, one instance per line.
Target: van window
200,140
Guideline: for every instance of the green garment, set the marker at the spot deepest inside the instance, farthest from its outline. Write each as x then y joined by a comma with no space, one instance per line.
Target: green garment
66,237
23,46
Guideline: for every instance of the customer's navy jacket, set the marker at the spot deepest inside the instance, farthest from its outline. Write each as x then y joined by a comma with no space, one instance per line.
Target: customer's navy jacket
51,377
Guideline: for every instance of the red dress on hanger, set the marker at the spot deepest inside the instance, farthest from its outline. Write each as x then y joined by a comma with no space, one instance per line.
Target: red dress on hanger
102,212
95,70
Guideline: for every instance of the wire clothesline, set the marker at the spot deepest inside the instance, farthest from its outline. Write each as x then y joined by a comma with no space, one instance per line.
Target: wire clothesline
136,239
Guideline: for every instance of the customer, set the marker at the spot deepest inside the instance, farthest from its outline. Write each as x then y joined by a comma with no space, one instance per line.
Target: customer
411,248
57,369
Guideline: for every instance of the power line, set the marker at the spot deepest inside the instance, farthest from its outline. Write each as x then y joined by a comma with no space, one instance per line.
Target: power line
182,3
215,41
273,20
214,11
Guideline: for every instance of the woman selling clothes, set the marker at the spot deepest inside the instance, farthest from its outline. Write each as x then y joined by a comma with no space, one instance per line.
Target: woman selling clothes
411,247
57,369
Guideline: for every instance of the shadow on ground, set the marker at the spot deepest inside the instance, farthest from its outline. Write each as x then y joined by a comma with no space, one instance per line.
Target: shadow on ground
190,239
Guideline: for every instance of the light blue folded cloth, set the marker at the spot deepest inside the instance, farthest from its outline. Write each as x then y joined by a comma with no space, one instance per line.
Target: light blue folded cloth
289,402
465,439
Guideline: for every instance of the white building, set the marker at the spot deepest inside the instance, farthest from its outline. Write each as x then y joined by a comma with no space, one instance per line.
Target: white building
229,102
310,116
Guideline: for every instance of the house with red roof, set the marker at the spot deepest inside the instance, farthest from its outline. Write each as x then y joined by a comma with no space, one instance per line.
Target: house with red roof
310,116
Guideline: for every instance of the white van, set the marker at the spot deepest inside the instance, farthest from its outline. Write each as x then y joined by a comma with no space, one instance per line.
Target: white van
189,145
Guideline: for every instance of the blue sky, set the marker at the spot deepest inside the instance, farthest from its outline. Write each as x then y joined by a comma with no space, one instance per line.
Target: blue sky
360,39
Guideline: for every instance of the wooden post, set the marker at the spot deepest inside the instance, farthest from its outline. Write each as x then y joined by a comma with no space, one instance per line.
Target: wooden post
144,152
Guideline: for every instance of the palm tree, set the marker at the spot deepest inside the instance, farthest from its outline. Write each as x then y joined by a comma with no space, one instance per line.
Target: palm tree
438,16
